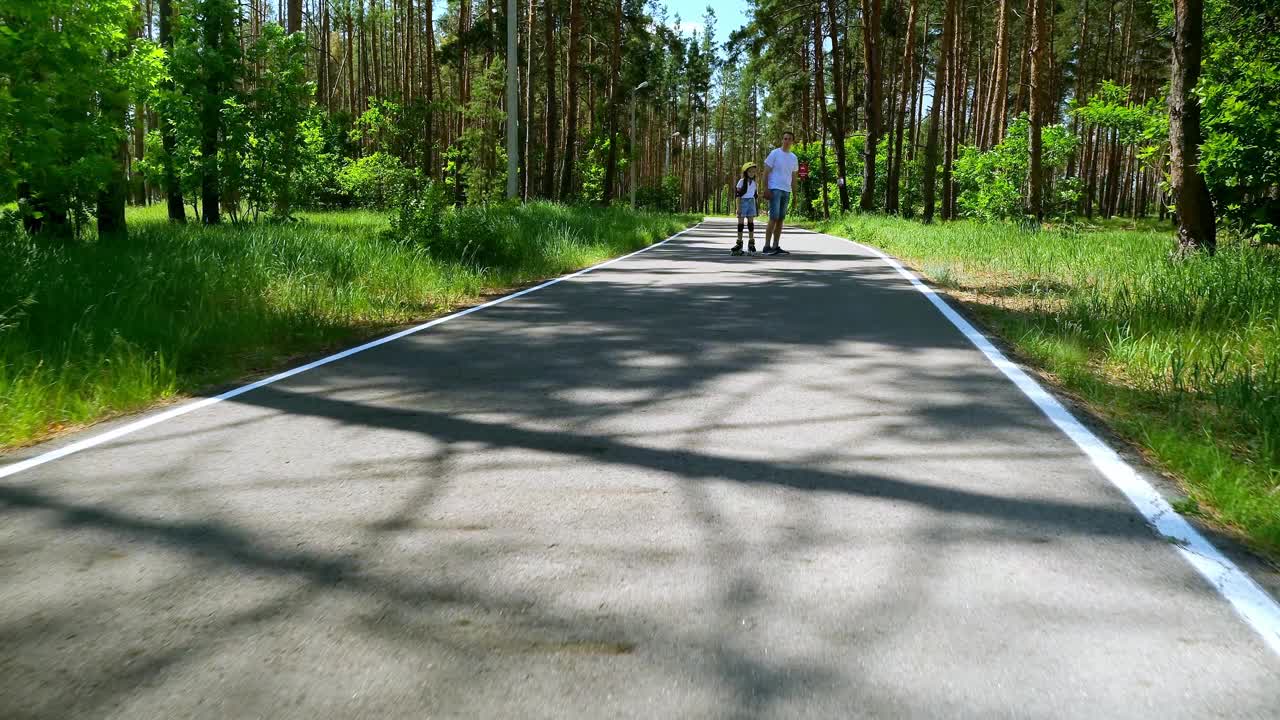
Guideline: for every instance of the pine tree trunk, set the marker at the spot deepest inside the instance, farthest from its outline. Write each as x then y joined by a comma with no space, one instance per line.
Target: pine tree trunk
429,77
820,95
806,101
408,89
1083,49
838,126
917,93
294,23
526,167
1024,58
1114,169
871,100
568,185
935,115
349,22
1196,229
615,101
552,108
325,84
113,198
993,133
362,26
168,134
950,85
1039,50
908,87
210,127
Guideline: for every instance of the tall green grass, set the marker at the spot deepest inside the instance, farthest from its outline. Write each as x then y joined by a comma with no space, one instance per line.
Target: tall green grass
96,328
1182,356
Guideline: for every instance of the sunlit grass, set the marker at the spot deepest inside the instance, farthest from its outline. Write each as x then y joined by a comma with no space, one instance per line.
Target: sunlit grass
92,329
1181,356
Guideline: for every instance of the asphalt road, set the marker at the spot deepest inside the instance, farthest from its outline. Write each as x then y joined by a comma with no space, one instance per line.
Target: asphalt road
684,485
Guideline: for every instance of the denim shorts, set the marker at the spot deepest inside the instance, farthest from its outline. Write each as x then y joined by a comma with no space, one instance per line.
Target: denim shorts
778,202
747,207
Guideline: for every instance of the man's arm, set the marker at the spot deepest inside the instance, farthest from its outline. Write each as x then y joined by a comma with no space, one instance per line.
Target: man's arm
765,192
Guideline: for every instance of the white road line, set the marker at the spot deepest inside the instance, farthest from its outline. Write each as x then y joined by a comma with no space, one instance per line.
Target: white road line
73,448
1254,604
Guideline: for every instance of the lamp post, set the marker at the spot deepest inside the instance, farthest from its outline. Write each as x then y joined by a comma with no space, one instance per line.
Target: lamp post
513,101
637,89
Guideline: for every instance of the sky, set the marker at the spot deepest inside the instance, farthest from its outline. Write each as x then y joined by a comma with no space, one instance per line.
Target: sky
730,15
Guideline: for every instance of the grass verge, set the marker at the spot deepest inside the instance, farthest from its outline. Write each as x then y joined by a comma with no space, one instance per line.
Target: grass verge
1182,358
93,329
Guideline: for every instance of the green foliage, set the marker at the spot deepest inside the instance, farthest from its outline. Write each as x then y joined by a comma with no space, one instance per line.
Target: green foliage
476,236
57,59
381,127
280,100
1240,95
1145,126
592,168
480,156
810,190
1111,107
990,184
320,162
206,107
269,152
375,181
662,198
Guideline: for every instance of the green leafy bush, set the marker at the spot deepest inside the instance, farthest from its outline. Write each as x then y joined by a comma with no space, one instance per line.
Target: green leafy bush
476,236
1240,156
375,181
825,173
66,73
990,182
663,198
321,161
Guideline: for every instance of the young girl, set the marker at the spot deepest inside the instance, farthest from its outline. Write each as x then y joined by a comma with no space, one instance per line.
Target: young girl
745,190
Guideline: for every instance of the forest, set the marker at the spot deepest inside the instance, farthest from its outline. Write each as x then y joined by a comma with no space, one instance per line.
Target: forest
193,190
244,109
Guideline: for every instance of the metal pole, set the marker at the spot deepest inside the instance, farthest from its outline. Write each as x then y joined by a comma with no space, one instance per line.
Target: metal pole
513,101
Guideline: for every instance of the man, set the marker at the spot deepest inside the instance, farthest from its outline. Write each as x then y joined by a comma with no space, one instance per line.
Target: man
780,169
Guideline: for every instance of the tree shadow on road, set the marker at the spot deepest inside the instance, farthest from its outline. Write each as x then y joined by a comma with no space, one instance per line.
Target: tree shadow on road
647,374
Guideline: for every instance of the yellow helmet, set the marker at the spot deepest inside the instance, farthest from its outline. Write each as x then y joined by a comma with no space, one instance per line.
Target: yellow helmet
747,166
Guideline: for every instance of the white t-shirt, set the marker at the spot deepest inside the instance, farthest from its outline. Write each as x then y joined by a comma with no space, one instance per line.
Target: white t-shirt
750,191
783,165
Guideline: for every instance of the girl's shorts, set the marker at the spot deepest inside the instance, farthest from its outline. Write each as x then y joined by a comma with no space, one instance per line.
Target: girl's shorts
747,207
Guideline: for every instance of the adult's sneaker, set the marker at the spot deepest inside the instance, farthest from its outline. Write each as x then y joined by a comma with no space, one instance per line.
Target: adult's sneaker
778,251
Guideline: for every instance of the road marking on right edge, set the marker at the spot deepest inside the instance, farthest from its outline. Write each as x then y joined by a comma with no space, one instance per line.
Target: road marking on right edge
1254,604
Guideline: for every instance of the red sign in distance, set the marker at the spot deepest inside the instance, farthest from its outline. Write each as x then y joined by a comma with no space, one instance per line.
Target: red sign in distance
804,170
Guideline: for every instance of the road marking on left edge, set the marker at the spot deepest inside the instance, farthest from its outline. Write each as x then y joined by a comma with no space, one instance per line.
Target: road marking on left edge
15,468
1254,604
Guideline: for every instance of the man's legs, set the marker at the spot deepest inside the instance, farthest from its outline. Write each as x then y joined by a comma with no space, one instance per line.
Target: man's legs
777,213
774,228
